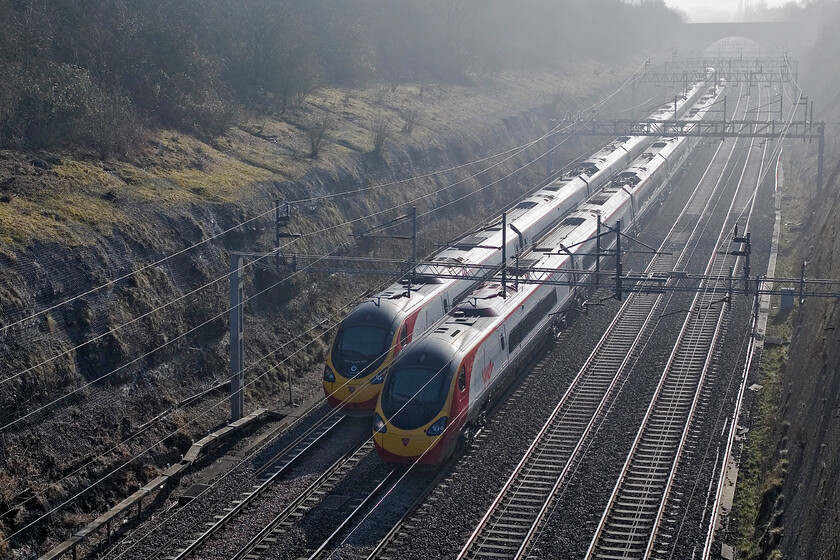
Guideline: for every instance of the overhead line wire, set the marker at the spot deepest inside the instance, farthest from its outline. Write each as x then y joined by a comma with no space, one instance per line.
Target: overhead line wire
514,153
114,281
225,312
316,326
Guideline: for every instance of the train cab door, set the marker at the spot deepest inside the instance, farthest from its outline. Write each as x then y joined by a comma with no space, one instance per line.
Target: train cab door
495,352
461,395
402,341
436,310
420,323
504,351
475,377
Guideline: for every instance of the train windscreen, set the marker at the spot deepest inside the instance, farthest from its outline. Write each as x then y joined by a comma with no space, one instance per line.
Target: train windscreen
358,346
414,396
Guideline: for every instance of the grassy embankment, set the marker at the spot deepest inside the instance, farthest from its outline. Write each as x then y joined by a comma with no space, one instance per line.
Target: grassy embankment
758,500
67,197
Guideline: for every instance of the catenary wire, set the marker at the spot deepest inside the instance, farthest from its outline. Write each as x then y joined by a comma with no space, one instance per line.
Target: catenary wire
182,335
114,281
264,357
451,203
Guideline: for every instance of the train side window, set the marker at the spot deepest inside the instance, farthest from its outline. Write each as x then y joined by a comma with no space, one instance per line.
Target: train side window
445,305
404,335
502,340
462,379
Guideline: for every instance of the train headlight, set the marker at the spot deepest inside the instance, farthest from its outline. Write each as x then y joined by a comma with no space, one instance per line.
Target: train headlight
437,428
378,378
329,376
379,424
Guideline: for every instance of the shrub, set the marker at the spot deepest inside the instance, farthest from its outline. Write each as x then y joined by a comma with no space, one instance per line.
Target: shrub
380,134
317,136
410,117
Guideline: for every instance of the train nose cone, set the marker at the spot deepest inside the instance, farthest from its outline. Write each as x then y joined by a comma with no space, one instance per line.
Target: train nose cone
405,441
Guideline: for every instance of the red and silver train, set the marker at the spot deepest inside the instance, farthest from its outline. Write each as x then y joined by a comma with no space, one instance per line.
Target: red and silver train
375,332
439,388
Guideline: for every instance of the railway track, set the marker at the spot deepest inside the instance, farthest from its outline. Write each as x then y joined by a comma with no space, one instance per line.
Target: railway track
683,529
308,499
635,507
362,507
632,524
270,473
514,518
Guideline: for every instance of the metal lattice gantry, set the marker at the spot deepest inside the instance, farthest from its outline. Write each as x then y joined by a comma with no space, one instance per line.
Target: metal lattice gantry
804,128
675,281
525,272
750,70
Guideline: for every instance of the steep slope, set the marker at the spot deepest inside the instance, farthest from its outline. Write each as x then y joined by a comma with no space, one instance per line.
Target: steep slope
88,385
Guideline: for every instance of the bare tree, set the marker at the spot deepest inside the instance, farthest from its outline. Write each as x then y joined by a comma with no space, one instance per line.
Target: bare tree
410,118
305,91
318,135
380,134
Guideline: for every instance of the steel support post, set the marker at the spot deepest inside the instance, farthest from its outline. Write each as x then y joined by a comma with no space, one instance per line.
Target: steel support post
504,255
413,242
747,268
237,339
618,271
821,157
802,284
729,289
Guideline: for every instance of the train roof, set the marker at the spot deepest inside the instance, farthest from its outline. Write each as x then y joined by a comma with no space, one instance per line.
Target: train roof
462,251
473,316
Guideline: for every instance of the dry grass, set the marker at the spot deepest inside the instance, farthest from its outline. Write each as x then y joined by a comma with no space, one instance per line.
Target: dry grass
74,201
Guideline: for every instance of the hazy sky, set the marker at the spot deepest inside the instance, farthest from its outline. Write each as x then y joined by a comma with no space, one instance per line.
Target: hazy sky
714,10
